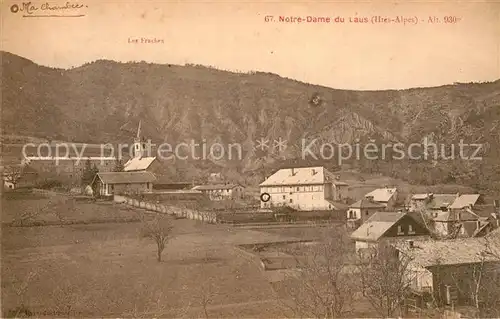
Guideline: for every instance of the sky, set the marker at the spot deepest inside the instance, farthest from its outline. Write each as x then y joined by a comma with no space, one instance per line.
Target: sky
235,36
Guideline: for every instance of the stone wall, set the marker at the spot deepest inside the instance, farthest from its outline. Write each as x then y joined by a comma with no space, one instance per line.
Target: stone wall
208,217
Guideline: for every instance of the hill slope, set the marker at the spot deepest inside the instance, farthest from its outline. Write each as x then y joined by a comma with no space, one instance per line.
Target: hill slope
183,103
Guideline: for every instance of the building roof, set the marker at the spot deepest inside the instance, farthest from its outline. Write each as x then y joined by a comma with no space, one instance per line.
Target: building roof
301,176
382,194
442,200
465,215
487,211
430,253
420,196
366,203
337,205
377,225
126,177
464,201
215,187
138,164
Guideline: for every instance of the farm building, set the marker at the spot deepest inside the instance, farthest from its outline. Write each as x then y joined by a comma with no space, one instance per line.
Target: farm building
109,183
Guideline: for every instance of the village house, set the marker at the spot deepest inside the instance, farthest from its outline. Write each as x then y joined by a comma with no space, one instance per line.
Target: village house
304,188
466,222
222,191
387,226
110,183
442,202
455,215
385,196
454,272
361,210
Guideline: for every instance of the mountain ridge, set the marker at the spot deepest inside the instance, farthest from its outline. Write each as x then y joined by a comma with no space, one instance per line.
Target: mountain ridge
92,102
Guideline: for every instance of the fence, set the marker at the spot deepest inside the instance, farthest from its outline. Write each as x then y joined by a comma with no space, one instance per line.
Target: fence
208,217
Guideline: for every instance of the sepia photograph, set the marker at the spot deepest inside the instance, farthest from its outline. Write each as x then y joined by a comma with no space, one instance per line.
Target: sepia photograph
250,159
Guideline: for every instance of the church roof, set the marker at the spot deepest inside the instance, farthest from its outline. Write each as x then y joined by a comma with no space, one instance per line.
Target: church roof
138,164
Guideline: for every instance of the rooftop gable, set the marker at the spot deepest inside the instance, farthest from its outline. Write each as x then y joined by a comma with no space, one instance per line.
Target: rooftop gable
377,225
138,164
382,194
465,200
301,176
366,203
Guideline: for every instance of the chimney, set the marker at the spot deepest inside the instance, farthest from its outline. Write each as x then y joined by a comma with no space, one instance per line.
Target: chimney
370,198
314,172
293,171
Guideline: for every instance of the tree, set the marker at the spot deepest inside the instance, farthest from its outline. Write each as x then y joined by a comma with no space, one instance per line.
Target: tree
322,287
88,173
385,279
160,230
479,281
119,167
12,174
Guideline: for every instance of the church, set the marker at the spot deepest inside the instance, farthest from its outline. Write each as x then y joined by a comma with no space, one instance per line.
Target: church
140,161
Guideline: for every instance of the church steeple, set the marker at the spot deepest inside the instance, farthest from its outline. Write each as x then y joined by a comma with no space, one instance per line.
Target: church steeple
139,146
138,137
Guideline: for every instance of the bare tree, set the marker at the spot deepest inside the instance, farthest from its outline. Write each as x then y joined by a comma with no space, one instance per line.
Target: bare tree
206,296
208,289
385,279
322,285
479,281
160,230
12,174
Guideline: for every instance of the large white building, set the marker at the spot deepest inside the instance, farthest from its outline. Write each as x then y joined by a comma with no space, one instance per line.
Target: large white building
304,188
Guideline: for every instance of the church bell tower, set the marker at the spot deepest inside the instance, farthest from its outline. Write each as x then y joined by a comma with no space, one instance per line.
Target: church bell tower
139,144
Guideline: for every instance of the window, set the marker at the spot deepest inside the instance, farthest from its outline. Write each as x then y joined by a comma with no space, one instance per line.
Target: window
410,230
291,200
297,189
366,213
400,230
351,214
284,197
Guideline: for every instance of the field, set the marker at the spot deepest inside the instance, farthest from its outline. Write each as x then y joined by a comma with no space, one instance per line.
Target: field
106,269
77,257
